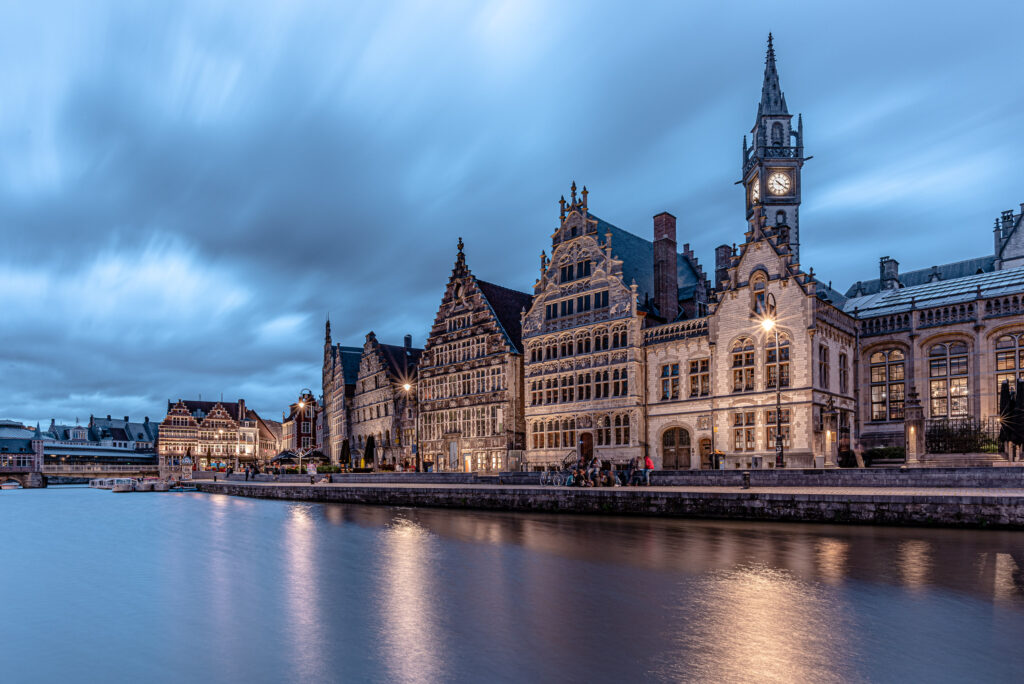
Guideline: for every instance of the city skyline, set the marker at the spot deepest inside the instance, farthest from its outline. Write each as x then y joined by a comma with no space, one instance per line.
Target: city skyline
155,253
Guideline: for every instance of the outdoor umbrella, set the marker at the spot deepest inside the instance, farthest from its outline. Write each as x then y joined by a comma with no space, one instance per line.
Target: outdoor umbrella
1005,412
1017,419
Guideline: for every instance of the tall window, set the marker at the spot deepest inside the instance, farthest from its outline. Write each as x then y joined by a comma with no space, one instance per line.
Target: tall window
583,383
700,378
776,361
743,365
947,379
844,374
758,287
1009,359
604,431
887,385
743,426
569,433
602,387
620,384
622,430
670,381
772,426
824,368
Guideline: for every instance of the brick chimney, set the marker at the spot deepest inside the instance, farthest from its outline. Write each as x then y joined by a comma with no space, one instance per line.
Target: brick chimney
723,258
408,341
666,274
889,273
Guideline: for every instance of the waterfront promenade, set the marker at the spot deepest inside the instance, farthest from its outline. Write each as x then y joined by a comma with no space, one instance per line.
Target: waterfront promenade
953,506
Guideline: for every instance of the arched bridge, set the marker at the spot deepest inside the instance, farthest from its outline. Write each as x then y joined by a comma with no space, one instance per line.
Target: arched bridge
29,476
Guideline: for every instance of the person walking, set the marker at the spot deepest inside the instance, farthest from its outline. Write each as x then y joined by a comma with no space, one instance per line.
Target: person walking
648,467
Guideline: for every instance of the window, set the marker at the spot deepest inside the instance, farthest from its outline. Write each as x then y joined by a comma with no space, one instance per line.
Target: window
743,365
743,426
566,307
770,433
619,338
583,345
567,388
619,383
602,386
947,380
758,287
776,362
1009,359
621,430
583,386
550,312
700,378
670,381
601,340
844,374
569,433
604,431
601,299
583,303
823,366
887,388
306,428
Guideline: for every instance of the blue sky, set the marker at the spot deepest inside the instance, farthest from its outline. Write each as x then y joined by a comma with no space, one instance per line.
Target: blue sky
187,188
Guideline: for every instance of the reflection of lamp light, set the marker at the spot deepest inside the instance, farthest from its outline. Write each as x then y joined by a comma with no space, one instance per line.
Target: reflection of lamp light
768,323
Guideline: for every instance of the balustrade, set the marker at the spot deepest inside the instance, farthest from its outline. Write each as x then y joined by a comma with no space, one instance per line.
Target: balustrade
944,315
696,327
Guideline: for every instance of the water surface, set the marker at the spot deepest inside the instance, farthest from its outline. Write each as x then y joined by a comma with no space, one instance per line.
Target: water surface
194,587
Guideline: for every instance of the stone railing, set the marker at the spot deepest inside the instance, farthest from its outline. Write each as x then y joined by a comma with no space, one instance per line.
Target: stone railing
770,152
1004,306
883,325
697,327
944,315
829,314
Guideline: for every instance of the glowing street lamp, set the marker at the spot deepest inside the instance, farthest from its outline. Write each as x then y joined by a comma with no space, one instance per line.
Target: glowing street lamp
407,388
769,323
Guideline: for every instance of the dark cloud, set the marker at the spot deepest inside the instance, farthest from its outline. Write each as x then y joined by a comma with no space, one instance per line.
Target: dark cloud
186,189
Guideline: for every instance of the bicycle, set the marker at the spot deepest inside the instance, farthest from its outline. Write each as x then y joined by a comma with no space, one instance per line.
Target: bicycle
557,478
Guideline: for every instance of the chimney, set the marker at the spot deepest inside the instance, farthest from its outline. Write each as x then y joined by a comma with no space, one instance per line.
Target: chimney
666,274
889,273
108,416
147,419
241,409
126,419
723,259
408,341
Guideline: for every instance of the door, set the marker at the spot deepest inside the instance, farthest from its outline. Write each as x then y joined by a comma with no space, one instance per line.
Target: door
705,455
586,446
675,449
453,456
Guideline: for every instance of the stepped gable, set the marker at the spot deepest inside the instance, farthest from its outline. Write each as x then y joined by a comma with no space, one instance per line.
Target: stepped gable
507,305
957,269
206,406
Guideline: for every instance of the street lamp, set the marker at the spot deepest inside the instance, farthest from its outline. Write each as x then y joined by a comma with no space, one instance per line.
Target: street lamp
407,387
769,323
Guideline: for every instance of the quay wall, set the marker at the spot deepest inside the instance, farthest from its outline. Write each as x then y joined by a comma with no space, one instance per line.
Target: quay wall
953,510
987,477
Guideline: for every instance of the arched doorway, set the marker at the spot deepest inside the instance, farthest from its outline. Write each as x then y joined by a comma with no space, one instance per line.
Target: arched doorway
675,449
706,462
586,446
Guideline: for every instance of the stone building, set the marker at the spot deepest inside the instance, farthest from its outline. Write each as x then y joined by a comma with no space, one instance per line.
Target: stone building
383,412
339,377
470,376
583,334
210,432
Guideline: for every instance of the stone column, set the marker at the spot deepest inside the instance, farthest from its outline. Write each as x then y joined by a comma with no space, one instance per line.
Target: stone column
913,428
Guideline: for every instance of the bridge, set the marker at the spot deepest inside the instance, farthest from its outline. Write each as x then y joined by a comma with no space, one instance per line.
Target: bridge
28,475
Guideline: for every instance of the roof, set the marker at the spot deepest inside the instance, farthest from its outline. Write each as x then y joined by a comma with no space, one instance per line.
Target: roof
349,358
401,360
142,432
958,269
508,306
15,446
206,406
637,255
829,295
938,293
9,432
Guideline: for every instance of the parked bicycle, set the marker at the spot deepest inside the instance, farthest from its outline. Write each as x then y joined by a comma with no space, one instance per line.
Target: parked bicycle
563,475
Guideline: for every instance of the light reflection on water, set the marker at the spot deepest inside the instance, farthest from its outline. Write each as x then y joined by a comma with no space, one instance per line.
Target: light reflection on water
210,588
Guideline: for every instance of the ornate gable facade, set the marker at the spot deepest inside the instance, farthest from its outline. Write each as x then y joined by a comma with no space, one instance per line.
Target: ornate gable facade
470,376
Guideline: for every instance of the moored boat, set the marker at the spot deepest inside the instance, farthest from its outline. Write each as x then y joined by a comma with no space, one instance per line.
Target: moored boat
145,484
161,486
10,485
123,484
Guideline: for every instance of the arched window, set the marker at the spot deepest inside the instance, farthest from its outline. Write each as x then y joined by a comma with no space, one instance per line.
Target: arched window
776,361
743,365
601,339
619,339
887,384
780,218
947,379
824,367
777,134
1009,359
844,374
758,289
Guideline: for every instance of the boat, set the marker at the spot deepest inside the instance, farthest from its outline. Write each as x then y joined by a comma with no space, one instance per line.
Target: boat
161,486
145,484
123,484
10,485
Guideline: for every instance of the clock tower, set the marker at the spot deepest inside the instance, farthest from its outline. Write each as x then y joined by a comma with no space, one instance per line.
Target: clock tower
772,164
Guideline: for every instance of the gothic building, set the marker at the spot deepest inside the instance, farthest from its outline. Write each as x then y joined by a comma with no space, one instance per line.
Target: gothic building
470,379
583,334
339,377
209,432
383,411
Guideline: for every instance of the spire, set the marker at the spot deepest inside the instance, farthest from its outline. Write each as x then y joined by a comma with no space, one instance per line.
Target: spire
772,99
327,331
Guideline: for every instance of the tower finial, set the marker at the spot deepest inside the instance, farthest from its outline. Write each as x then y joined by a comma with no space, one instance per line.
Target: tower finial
573,189
327,329
461,245
772,99
561,209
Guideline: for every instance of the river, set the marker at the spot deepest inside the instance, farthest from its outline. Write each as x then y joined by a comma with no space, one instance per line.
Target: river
156,587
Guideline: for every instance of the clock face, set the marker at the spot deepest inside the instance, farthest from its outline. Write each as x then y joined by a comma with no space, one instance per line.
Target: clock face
779,183
755,191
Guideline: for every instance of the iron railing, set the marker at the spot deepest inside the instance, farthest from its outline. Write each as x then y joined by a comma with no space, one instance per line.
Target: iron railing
961,435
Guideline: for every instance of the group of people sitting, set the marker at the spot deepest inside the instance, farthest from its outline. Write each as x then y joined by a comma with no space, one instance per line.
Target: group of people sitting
592,474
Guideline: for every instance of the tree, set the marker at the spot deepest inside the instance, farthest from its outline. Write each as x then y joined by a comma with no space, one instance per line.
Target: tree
346,453
369,454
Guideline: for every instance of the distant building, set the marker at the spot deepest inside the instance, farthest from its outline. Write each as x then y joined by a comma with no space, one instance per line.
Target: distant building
298,427
211,432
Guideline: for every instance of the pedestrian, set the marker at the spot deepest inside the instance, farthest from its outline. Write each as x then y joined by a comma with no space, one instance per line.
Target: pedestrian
648,467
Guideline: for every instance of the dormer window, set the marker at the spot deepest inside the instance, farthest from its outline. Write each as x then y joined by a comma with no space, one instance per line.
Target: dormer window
758,286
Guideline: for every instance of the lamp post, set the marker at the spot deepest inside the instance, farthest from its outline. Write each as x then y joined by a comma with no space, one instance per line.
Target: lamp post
416,428
770,323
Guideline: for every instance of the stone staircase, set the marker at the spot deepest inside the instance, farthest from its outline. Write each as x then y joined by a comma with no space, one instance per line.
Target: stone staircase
963,460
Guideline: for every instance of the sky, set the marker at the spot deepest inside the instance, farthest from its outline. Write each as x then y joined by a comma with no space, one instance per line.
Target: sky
187,189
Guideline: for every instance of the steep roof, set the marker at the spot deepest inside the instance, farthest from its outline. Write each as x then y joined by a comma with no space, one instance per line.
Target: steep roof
939,293
507,305
231,407
401,360
637,255
349,359
957,269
